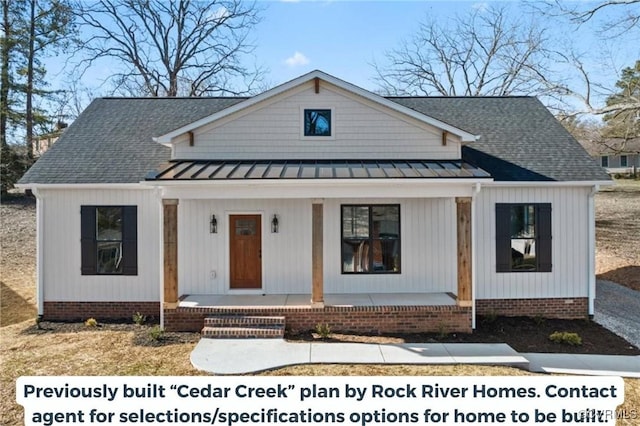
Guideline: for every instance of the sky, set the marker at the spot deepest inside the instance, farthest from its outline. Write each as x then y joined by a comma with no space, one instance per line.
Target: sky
344,38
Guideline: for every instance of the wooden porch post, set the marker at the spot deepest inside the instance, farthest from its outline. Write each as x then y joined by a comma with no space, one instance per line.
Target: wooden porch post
170,232
463,220
317,289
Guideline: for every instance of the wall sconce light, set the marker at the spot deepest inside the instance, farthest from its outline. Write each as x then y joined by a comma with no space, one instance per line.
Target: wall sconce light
213,225
274,224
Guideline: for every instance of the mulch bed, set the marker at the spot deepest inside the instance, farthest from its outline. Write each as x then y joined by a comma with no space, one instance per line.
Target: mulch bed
524,334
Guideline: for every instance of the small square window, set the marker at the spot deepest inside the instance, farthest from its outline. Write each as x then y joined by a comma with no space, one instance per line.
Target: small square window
604,161
317,122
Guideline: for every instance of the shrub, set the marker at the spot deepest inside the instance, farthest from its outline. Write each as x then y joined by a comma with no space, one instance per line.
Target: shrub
91,322
323,330
156,333
139,319
566,338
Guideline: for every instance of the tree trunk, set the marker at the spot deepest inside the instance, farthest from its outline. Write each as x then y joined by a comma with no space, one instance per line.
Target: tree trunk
29,88
4,71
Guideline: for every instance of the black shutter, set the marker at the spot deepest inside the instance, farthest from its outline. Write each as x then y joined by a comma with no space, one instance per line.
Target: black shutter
130,240
503,238
88,246
543,251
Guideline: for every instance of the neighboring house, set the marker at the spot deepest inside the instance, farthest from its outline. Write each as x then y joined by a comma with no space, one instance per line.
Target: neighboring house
616,155
43,142
338,205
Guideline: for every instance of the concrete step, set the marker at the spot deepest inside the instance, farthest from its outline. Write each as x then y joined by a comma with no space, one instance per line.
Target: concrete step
243,327
255,332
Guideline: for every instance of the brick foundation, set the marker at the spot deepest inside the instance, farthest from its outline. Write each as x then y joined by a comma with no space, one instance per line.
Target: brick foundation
362,319
567,308
112,311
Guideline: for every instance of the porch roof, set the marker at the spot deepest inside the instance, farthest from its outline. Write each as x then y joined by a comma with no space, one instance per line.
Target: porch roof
202,170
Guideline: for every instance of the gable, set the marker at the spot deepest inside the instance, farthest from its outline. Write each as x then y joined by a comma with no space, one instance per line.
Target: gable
274,129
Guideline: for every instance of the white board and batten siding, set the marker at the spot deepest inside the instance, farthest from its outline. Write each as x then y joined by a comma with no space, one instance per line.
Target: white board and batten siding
428,247
62,257
361,129
569,231
203,257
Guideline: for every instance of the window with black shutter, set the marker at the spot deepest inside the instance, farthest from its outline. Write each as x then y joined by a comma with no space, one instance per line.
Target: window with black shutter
109,240
523,237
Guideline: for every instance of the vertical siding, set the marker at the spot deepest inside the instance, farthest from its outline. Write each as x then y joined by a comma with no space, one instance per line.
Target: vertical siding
286,261
569,216
428,248
61,272
361,129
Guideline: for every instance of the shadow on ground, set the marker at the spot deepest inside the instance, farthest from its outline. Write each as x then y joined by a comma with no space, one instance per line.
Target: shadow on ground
13,307
629,275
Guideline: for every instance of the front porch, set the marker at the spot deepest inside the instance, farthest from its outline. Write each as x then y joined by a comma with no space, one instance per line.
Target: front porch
364,313
304,300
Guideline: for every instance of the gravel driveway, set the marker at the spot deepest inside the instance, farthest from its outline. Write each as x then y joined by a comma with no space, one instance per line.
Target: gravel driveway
618,309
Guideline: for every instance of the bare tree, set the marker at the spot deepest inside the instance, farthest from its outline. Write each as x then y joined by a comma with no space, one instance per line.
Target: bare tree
485,53
625,14
172,48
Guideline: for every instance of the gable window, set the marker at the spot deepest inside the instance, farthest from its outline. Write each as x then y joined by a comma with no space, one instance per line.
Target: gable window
109,240
623,161
604,161
370,239
317,122
523,237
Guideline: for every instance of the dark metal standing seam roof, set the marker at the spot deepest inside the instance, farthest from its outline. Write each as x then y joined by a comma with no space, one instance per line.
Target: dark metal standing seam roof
202,170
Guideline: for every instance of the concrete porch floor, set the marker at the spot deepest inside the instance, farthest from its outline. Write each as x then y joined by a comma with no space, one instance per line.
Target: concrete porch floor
346,300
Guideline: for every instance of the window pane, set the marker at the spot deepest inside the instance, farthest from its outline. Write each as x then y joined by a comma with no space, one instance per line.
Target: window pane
109,224
317,122
245,227
386,256
523,254
355,222
523,221
605,161
386,221
355,256
109,257
623,161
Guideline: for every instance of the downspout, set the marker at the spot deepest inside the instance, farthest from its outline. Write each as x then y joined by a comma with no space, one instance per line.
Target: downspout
39,251
591,236
158,192
474,255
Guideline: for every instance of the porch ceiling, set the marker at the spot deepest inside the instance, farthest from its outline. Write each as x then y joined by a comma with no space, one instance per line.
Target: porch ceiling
204,170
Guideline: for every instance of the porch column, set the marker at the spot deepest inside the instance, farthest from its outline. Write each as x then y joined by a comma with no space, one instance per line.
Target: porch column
463,220
317,289
170,233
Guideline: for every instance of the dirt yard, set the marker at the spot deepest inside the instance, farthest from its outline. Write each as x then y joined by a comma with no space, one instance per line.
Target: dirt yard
618,233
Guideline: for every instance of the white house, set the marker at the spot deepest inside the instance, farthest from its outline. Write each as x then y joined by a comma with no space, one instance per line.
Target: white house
320,202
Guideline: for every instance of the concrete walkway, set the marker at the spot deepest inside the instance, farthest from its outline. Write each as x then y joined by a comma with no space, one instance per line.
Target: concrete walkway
240,356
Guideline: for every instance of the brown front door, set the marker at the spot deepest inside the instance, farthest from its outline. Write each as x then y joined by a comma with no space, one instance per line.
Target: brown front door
245,251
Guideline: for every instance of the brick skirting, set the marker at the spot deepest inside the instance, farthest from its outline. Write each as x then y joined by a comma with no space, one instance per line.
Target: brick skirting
363,319
567,308
113,311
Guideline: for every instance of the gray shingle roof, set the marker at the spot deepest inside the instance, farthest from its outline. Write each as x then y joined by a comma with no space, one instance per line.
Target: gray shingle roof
111,141
520,139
